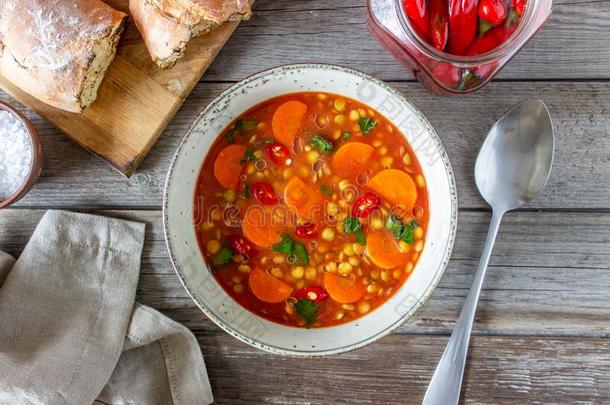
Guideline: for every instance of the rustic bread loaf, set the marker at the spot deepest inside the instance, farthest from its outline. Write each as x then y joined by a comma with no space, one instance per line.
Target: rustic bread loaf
168,25
58,50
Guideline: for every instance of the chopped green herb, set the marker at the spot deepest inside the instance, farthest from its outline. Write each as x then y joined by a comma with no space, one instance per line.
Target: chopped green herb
246,125
400,230
346,135
223,257
307,310
240,125
360,237
301,254
269,141
352,225
247,192
407,235
366,125
394,225
289,247
326,190
248,156
322,143
285,246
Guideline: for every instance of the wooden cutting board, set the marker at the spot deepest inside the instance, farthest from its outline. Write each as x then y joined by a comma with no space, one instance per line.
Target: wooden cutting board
136,99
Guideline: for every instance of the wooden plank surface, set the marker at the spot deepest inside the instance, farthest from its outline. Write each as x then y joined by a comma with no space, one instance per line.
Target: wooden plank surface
581,114
135,101
397,369
542,328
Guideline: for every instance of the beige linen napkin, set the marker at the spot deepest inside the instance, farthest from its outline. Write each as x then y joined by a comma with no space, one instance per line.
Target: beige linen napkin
70,332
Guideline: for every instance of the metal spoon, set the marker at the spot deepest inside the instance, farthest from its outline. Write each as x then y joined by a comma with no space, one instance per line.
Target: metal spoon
513,165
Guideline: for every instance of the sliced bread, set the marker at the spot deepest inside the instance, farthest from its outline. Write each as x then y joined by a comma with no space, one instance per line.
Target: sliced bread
168,25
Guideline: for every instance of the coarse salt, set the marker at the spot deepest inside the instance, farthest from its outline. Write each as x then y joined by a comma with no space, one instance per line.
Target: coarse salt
15,154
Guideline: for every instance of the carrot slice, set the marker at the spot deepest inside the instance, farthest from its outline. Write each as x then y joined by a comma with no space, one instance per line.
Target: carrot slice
287,121
351,159
227,166
343,289
305,199
383,250
268,288
263,225
396,186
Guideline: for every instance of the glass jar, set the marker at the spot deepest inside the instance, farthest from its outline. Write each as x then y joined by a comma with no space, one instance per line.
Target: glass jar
444,73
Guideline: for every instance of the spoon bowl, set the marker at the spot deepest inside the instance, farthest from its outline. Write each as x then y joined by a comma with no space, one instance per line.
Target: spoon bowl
515,160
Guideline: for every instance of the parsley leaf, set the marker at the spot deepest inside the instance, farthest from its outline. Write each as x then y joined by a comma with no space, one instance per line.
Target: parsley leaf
231,136
246,125
269,141
366,125
326,190
289,247
360,237
248,156
284,246
301,253
352,225
241,125
223,257
346,135
400,230
306,309
247,192
322,143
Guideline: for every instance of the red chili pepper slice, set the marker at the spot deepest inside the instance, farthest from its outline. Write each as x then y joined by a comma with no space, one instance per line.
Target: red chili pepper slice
264,193
277,152
492,12
312,293
418,14
520,6
243,246
306,231
364,205
463,23
439,23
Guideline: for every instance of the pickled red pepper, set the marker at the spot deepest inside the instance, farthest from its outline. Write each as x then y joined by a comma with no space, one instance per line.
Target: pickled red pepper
465,27
417,11
439,23
463,22
495,36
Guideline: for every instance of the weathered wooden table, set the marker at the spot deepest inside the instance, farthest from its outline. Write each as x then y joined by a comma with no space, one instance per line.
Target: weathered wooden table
543,323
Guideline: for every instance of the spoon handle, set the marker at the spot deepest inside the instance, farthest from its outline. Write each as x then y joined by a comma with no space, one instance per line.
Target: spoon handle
446,383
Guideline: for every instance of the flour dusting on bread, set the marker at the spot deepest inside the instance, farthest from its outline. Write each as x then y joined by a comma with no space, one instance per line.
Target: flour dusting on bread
58,50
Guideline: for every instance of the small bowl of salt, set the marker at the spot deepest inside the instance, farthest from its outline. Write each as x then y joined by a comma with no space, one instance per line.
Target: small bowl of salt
20,155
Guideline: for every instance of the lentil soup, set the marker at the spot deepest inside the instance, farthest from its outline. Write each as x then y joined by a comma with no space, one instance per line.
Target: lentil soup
311,209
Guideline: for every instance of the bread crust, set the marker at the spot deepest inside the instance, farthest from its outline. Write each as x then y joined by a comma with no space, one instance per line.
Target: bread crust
58,50
167,26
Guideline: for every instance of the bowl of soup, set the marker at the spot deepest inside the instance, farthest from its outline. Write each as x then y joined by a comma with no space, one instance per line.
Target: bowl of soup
310,210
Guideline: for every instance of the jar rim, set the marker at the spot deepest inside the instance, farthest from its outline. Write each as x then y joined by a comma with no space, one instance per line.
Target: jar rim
487,57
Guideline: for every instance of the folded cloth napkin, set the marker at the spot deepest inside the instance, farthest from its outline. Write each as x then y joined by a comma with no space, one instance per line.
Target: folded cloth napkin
70,332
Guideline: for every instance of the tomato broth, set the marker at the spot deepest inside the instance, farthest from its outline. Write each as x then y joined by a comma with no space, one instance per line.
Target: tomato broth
311,209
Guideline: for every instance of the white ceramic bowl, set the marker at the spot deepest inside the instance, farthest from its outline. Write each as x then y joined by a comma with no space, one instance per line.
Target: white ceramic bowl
196,276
